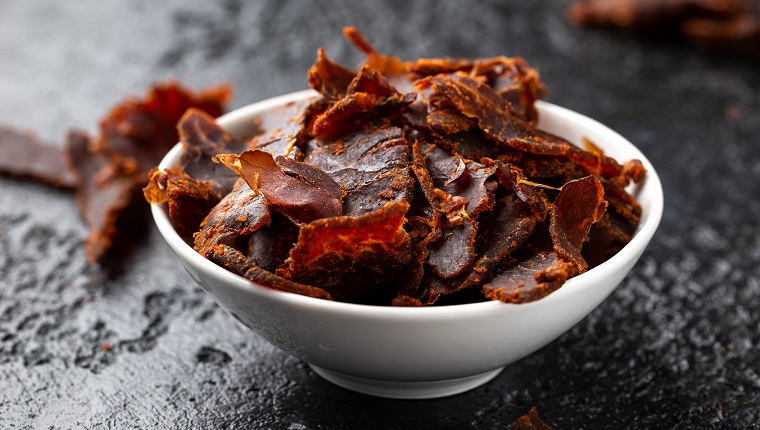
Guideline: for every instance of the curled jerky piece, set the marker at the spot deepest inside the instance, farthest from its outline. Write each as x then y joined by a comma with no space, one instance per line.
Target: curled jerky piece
530,279
23,156
371,164
328,78
580,204
234,260
300,191
189,200
240,213
353,258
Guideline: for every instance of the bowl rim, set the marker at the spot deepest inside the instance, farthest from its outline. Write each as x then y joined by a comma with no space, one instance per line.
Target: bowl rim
572,286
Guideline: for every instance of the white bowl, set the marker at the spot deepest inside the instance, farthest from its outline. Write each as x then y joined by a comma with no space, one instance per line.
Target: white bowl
419,352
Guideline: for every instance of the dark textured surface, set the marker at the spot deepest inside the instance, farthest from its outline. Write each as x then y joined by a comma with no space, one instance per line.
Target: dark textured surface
677,345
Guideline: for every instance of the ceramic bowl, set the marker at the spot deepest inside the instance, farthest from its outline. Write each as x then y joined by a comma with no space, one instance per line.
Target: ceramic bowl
419,352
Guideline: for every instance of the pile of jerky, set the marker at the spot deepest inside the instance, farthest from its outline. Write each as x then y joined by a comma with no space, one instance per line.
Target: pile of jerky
405,184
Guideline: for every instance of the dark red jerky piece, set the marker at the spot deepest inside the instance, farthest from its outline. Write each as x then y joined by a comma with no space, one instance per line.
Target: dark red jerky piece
472,145
353,258
300,191
391,67
511,177
370,81
189,200
502,231
367,163
23,156
281,129
531,279
328,78
521,85
445,118
238,214
144,130
269,246
203,139
106,189
580,204
234,261
530,421
453,253
353,110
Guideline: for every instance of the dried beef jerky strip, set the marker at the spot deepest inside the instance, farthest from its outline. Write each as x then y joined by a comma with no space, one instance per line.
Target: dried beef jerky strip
203,139
238,214
371,164
353,258
453,253
142,131
236,262
189,200
300,191
530,279
280,129
393,68
530,421
328,78
512,177
105,191
502,231
23,156
352,111
578,206
269,246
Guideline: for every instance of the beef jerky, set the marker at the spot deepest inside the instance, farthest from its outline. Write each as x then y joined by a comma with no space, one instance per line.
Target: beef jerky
328,78
530,421
355,109
236,262
453,253
239,213
280,129
721,26
530,279
512,177
507,228
143,131
353,258
203,139
391,67
300,191
189,199
106,189
269,246
578,206
370,164
23,156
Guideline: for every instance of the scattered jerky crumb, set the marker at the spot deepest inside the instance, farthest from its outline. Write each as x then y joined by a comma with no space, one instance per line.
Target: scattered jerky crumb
530,421
404,184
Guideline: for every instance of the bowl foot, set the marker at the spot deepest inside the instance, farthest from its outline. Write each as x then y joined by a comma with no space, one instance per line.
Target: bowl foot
406,390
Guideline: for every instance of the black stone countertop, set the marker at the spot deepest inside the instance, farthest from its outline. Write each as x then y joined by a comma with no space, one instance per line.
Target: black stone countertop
677,345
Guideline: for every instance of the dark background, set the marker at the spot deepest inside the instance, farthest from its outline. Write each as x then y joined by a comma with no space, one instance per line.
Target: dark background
677,345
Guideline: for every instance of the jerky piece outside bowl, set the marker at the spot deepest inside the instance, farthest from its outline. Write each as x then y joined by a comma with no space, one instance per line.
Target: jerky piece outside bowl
417,353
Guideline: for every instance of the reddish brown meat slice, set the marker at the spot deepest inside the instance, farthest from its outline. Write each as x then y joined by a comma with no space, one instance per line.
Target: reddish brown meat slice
580,204
371,165
269,246
530,421
300,191
106,189
352,111
281,129
23,156
453,253
189,200
531,279
234,261
142,131
353,258
512,177
238,214
502,231
328,78
203,139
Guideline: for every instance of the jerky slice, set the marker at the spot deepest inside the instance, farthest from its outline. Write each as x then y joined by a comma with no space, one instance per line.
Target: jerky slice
353,258
370,164
531,279
23,156
300,191
240,213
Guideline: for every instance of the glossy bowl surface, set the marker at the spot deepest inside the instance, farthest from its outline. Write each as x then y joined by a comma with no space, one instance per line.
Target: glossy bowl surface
419,352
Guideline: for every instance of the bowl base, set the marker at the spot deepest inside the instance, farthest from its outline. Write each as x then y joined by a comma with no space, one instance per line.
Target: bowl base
406,390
